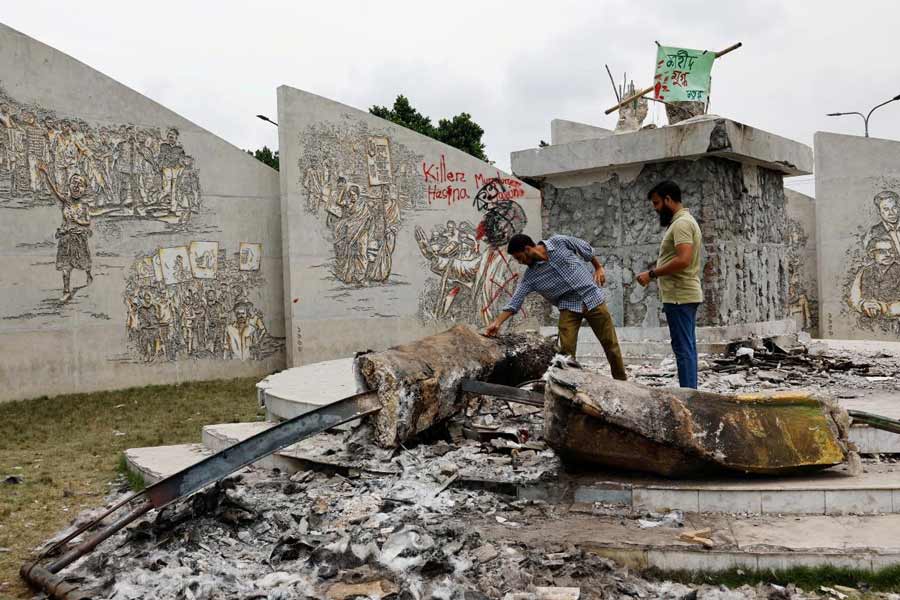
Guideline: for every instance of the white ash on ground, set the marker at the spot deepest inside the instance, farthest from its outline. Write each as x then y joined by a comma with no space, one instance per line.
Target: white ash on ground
315,535
757,366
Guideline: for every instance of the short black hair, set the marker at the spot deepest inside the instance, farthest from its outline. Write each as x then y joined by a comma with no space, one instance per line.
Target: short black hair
518,243
666,188
885,195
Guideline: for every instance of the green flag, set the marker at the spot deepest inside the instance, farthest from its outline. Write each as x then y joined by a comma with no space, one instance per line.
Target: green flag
682,74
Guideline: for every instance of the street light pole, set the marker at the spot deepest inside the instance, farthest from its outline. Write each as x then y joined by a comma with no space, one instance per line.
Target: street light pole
865,118
267,119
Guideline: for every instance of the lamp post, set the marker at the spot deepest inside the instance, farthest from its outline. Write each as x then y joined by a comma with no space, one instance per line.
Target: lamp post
864,117
268,120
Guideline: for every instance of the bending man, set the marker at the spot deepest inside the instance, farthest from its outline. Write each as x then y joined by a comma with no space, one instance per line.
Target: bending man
558,270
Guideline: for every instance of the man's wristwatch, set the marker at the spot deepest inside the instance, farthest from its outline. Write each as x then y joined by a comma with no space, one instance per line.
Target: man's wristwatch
652,273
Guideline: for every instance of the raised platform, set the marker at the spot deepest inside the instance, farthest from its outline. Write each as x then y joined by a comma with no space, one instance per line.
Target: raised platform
707,135
829,492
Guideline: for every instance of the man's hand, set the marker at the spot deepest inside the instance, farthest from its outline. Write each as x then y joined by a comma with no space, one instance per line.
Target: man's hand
644,278
872,308
492,329
600,276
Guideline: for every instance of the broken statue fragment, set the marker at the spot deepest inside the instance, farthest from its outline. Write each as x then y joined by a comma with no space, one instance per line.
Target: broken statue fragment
676,432
419,383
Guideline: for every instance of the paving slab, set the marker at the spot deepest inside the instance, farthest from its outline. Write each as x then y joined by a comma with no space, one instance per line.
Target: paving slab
833,491
865,542
158,462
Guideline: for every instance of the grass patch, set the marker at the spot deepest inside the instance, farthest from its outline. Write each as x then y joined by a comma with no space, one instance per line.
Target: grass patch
68,451
135,480
806,578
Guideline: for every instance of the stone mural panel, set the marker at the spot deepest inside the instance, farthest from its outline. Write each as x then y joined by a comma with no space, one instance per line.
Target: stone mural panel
190,302
741,212
112,239
384,223
858,236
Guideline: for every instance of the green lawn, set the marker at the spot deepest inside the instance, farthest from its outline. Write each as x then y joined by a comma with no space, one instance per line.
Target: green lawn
67,450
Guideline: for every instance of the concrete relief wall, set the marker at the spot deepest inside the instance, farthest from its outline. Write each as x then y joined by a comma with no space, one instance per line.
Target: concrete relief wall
803,288
741,212
389,233
139,248
858,215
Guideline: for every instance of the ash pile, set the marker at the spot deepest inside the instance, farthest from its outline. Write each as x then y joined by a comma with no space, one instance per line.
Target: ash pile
362,535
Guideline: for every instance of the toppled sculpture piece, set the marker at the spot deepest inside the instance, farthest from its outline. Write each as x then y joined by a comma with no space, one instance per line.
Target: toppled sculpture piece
679,432
419,383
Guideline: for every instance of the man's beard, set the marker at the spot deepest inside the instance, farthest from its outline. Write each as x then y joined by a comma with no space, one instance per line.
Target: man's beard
665,216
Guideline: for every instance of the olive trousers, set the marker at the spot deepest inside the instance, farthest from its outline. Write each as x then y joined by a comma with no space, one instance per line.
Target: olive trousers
602,324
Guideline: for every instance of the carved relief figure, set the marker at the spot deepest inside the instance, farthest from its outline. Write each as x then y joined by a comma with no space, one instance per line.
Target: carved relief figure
72,251
873,288
476,277
128,172
360,184
800,307
189,309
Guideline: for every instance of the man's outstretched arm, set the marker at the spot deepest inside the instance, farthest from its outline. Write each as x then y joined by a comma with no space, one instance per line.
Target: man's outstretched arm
515,303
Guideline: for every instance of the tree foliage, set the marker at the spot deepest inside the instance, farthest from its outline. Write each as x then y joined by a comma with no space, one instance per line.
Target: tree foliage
265,156
460,131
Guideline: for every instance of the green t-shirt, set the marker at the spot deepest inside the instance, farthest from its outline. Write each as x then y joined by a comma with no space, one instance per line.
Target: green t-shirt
682,287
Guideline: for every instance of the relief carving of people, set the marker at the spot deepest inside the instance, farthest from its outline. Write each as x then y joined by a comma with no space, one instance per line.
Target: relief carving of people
874,290
127,171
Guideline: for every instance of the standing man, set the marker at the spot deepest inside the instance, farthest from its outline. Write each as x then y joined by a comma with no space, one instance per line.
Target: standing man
678,271
558,270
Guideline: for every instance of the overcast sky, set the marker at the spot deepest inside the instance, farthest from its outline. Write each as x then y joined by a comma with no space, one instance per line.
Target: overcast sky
513,65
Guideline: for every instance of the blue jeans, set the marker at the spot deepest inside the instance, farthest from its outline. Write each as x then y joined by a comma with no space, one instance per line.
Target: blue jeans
682,320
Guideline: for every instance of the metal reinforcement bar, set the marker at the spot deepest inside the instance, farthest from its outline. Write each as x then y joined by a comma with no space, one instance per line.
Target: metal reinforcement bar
503,392
190,480
876,421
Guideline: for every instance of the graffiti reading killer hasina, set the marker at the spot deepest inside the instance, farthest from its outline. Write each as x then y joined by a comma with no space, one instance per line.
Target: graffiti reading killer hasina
475,276
361,184
189,302
872,287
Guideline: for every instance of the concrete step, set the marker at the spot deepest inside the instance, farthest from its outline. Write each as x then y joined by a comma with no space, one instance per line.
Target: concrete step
830,492
760,543
158,462
219,437
298,390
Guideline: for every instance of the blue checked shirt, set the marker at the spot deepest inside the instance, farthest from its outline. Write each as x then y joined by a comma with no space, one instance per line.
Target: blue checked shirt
566,278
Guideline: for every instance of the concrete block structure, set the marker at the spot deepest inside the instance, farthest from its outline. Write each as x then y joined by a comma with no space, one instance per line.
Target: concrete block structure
858,235
138,248
388,234
564,132
732,180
